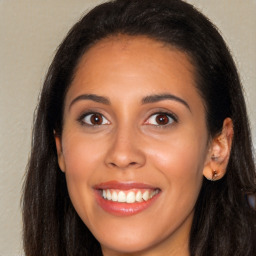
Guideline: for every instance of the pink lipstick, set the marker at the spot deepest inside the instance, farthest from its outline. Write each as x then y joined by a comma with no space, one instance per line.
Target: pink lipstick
125,198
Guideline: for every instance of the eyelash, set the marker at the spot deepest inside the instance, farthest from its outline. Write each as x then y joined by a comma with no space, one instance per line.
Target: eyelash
88,114
169,115
164,114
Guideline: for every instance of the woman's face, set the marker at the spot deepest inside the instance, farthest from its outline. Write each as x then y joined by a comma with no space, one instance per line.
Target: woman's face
134,145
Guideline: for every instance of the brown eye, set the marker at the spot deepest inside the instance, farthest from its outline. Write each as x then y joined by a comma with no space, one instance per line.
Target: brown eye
94,119
160,119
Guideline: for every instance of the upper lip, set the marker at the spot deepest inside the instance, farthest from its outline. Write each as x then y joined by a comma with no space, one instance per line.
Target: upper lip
123,185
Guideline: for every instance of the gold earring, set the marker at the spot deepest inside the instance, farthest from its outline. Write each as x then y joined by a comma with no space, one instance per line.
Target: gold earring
214,175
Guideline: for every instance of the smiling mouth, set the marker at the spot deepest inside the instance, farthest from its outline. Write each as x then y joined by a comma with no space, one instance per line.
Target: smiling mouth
129,196
125,198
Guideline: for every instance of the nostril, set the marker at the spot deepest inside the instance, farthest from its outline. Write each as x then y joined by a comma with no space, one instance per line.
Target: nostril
120,165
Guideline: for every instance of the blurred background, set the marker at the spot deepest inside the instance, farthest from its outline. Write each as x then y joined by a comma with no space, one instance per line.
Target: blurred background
30,32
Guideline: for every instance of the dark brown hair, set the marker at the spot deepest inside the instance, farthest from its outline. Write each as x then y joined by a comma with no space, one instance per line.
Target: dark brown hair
223,224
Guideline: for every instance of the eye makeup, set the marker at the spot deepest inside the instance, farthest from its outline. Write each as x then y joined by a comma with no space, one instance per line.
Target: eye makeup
161,118
93,118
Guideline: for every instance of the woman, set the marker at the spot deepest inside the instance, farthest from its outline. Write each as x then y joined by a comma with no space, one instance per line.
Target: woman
141,142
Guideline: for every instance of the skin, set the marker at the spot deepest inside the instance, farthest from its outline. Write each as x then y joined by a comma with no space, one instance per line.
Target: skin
129,145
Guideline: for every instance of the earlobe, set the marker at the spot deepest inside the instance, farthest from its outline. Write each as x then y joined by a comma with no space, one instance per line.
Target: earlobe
211,174
61,161
219,152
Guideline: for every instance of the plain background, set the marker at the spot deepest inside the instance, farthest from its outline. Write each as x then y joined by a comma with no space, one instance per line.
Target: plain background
30,31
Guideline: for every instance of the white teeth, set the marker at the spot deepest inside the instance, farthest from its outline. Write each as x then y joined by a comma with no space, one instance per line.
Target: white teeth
109,196
153,193
121,197
128,197
139,197
114,196
104,194
145,196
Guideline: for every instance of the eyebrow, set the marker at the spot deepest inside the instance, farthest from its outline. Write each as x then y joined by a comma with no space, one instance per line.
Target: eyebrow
146,100
159,97
93,97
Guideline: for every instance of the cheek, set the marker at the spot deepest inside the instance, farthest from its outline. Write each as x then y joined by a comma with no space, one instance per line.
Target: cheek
179,157
180,160
81,158
80,153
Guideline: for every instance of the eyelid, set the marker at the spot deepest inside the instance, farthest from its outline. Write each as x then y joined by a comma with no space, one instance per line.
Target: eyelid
87,114
168,114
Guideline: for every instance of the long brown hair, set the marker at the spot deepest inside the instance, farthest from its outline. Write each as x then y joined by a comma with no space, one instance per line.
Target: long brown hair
223,224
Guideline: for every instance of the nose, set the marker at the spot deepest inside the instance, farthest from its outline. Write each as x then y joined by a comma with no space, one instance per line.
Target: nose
125,150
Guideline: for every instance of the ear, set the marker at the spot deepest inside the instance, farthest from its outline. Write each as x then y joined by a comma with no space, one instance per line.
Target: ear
219,152
59,152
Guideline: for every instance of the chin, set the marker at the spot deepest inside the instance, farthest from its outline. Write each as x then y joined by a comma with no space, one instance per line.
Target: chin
128,243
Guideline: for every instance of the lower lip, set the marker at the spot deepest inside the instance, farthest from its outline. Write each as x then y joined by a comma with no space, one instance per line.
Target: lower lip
123,209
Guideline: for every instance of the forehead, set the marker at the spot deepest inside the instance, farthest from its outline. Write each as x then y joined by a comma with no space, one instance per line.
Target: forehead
133,64
138,50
